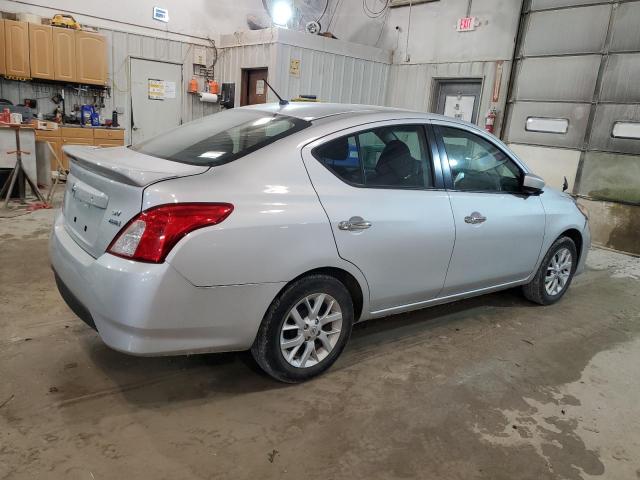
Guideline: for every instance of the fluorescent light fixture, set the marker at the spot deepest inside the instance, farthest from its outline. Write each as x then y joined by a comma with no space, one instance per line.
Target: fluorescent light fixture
626,130
547,125
281,13
212,154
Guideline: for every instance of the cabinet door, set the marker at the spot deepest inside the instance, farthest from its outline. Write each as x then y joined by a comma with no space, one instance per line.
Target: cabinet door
41,51
91,61
102,142
64,54
73,141
16,35
3,67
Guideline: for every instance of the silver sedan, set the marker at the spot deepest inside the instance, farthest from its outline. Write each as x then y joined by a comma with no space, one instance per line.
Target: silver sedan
276,228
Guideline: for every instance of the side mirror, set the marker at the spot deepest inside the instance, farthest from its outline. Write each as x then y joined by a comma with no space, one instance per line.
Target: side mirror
532,184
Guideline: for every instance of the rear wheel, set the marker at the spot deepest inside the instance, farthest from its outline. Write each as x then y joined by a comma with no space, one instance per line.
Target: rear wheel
305,329
554,274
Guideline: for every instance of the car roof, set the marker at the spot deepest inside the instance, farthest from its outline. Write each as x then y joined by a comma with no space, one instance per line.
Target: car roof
313,111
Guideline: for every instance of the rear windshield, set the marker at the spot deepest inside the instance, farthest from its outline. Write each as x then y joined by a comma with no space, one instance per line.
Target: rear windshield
221,138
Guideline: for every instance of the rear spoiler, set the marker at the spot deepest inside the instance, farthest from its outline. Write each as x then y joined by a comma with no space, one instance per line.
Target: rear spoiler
124,165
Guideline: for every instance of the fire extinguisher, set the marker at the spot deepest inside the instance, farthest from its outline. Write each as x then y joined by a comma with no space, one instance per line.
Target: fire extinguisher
490,120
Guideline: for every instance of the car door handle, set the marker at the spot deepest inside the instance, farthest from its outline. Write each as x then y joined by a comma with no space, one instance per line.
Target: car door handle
475,218
354,224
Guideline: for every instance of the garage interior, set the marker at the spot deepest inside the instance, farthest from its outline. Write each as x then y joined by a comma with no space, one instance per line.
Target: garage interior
491,387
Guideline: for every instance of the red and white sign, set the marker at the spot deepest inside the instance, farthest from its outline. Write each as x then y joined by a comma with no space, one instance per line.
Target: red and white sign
466,24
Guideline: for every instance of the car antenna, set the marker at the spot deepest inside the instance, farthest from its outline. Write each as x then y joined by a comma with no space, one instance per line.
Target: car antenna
282,101
565,185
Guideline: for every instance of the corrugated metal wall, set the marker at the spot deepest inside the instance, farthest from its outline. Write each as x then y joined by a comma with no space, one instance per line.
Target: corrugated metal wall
413,86
121,47
232,60
124,46
580,60
331,77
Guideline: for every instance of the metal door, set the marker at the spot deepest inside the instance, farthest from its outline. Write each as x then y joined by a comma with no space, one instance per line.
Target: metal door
254,88
156,98
405,248
458,99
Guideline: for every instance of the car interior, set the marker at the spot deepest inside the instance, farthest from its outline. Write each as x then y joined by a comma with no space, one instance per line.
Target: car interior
477,165
377,158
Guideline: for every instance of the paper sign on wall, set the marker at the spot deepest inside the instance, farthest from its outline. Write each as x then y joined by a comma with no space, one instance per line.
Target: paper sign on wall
161,89
169,89
156,89
459,106
260,87
294,68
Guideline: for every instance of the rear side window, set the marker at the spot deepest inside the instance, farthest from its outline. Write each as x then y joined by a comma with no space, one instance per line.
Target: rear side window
392,157
222,137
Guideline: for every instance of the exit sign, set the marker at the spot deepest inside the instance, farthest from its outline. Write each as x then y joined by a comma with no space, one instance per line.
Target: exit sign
466,24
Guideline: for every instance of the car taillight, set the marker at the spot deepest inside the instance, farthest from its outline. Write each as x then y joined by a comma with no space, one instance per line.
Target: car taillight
150,236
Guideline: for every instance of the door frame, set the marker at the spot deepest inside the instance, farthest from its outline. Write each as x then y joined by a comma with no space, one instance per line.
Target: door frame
438,82
128,129
244,83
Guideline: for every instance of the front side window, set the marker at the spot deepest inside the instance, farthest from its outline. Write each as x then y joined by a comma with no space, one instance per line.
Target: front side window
477,164
393,157
221,138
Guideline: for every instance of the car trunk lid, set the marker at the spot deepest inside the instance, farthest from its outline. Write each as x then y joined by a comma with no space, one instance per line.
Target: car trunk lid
104,191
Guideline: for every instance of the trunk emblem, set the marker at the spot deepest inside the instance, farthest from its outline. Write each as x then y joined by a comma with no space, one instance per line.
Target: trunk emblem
115,221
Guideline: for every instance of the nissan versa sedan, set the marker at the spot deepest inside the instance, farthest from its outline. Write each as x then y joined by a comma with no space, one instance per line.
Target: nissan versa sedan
275,228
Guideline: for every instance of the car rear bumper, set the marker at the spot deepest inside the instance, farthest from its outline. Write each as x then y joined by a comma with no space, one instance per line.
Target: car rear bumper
149,309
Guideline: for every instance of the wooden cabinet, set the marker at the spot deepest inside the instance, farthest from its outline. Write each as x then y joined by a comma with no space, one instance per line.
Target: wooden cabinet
108,143
30,50
109,134
74,136
99,137
41,51
64,54
91,58
3,68
16,37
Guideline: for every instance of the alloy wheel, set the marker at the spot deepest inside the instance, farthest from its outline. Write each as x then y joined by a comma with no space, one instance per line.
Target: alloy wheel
558,272
311,330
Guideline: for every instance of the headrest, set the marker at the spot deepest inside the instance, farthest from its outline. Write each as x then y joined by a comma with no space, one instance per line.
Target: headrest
336,150
395,150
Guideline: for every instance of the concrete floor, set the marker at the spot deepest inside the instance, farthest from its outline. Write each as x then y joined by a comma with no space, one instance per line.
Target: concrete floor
489,388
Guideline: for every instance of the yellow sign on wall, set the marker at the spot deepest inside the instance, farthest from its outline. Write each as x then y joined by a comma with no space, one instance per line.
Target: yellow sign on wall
294,68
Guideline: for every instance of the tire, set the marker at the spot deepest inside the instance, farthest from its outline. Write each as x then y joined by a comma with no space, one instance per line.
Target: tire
538,291
282,324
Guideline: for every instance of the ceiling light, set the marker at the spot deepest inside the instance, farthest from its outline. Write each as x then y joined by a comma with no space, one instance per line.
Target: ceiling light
281,13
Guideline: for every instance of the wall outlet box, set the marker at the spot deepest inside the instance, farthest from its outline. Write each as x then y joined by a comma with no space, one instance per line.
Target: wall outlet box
199,55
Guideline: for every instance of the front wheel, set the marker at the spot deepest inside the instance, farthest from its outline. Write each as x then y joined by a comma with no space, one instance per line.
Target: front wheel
554,274
305,329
